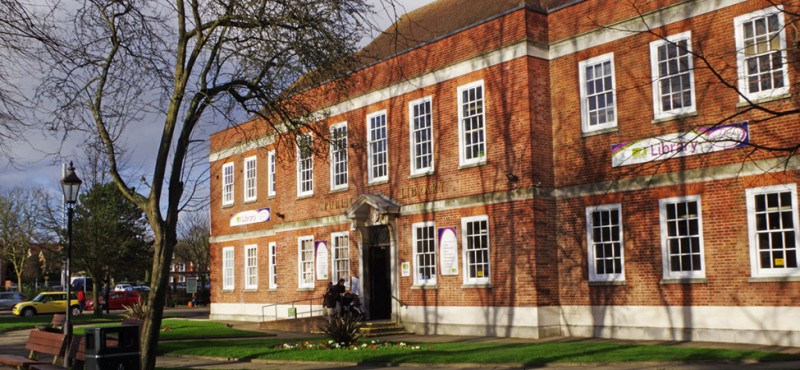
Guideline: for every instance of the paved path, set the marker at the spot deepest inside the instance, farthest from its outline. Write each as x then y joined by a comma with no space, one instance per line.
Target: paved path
14,342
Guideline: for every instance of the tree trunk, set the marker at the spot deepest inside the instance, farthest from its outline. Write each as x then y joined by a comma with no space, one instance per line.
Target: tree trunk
162,246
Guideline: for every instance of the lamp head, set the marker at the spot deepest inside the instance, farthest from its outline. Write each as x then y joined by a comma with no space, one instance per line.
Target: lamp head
71,185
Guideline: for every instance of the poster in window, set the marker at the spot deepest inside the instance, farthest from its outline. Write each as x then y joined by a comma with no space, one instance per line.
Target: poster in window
321,248
448,250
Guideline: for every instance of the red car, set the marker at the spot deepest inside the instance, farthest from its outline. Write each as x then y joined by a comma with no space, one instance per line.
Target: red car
117,299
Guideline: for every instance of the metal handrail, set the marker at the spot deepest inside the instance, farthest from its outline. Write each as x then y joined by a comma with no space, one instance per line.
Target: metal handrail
402,304
293,304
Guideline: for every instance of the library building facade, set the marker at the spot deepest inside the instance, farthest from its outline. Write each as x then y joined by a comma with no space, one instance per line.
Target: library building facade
535,168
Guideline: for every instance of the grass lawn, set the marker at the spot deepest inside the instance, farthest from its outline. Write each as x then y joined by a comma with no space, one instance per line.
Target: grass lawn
9,323
177,329
485,352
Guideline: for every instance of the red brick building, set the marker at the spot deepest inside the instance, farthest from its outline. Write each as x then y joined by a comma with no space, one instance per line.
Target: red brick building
536,168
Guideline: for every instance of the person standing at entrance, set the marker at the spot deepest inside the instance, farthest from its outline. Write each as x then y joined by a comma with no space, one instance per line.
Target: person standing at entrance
338,292
354,287
329,301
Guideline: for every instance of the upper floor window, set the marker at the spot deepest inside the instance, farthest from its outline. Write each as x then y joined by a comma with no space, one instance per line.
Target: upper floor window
471,128
673,76
271,173
682,237
476,249
341,257
227,268
251,267
305,261
598,93
424,242
421,129
250,179
305,165
273,265
227,184
760,54
339,156
772,226
377,160
604,241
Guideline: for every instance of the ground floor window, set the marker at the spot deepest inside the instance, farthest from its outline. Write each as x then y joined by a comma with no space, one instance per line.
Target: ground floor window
476,249
424,241
305,262
682,237
251,267
604,239
273,265
772,225
227,268
341,257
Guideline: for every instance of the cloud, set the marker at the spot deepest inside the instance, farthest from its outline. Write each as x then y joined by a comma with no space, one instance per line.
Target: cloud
37,162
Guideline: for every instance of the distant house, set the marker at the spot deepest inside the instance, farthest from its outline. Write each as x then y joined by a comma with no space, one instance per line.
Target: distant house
535,169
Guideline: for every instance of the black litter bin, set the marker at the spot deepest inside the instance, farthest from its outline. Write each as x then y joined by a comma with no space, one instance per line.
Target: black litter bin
112,348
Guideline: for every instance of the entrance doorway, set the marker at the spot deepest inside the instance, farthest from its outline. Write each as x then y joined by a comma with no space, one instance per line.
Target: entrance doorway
377,272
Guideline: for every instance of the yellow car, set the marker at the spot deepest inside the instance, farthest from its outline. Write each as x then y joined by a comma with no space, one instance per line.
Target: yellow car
47,302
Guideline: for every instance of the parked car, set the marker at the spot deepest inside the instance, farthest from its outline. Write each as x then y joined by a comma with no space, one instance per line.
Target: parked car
141,288
116,300
9,299
47,302
123,287
84,283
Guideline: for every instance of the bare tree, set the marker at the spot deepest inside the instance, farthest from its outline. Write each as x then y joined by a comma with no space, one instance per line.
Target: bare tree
193,243
118,66
20,226
17,29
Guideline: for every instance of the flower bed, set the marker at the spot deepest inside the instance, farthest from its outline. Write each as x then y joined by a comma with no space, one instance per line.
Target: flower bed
331,345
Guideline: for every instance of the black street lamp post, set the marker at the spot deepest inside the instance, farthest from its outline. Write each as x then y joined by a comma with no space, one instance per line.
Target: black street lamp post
70,184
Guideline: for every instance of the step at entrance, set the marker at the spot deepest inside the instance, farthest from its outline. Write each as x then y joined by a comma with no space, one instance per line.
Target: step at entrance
372,329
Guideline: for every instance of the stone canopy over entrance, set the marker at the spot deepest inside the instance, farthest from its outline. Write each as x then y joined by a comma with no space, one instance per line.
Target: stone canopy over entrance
372,209
374,220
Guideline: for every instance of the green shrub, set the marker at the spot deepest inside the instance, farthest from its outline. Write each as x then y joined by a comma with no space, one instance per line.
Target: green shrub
136,311
343,329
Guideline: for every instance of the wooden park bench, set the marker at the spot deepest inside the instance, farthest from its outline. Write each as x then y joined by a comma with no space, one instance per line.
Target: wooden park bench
76,354
56,324
40,342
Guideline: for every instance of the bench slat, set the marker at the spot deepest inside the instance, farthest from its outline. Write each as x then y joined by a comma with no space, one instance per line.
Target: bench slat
17,361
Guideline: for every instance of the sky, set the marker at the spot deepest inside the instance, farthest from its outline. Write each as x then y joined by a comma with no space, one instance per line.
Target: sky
35,165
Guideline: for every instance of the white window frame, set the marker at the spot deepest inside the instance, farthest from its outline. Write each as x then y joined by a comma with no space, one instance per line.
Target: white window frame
666,251
228,273
273,265
305,164
413,152
472,280
585,114
250,179
271,164
336,248
418,279
593,275
339,157
227,184
251,266
462,119
744,89
375,123
304,265
655,66
755,266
